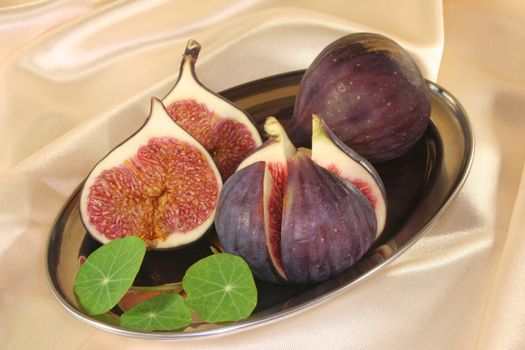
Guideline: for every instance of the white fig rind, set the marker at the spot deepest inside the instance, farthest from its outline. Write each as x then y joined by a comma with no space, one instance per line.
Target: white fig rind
278,148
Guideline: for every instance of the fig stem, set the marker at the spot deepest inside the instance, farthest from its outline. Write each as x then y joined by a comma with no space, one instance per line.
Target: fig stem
159,288
192,50
273,128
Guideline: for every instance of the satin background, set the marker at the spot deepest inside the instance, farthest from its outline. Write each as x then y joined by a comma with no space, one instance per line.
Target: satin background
76,78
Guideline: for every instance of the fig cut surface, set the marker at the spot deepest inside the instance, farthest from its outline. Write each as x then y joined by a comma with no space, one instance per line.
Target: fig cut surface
160,184
225,131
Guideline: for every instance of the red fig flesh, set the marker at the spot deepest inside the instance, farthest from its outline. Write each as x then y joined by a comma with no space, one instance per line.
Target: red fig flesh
160,185
224,130
291,219
370,93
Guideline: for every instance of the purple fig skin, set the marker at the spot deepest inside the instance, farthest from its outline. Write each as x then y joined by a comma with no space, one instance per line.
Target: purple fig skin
239,221
370,93
327,224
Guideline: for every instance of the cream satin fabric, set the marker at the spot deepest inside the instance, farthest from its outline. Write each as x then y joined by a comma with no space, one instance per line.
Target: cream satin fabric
76,78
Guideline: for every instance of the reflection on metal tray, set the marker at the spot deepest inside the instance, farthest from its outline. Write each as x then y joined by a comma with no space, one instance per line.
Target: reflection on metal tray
420,185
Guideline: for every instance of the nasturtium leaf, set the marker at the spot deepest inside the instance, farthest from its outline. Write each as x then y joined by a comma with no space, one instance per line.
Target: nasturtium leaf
108,273
220,288
165,312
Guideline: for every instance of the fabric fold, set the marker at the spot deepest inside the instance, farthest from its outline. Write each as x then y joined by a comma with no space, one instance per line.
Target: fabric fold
76,78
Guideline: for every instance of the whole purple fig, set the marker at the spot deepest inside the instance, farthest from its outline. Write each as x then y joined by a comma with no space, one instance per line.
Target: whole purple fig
369,91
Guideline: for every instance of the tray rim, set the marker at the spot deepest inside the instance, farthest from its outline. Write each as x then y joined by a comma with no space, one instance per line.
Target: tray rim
444,95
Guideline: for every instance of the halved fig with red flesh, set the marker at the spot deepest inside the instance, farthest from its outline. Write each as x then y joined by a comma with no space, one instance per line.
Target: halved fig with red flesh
291,219
225,131
160,184
332,154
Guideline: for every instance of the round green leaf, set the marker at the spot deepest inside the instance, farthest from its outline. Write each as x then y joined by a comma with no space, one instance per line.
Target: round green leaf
220,288
165,312
108,273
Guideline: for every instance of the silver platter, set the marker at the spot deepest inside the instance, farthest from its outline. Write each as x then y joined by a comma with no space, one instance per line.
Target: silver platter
420,186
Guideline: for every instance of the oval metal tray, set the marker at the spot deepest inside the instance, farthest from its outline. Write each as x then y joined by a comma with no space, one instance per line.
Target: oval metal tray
420,185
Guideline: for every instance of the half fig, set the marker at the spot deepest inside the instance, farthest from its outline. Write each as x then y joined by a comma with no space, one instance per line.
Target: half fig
291,219
160,185
224,130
